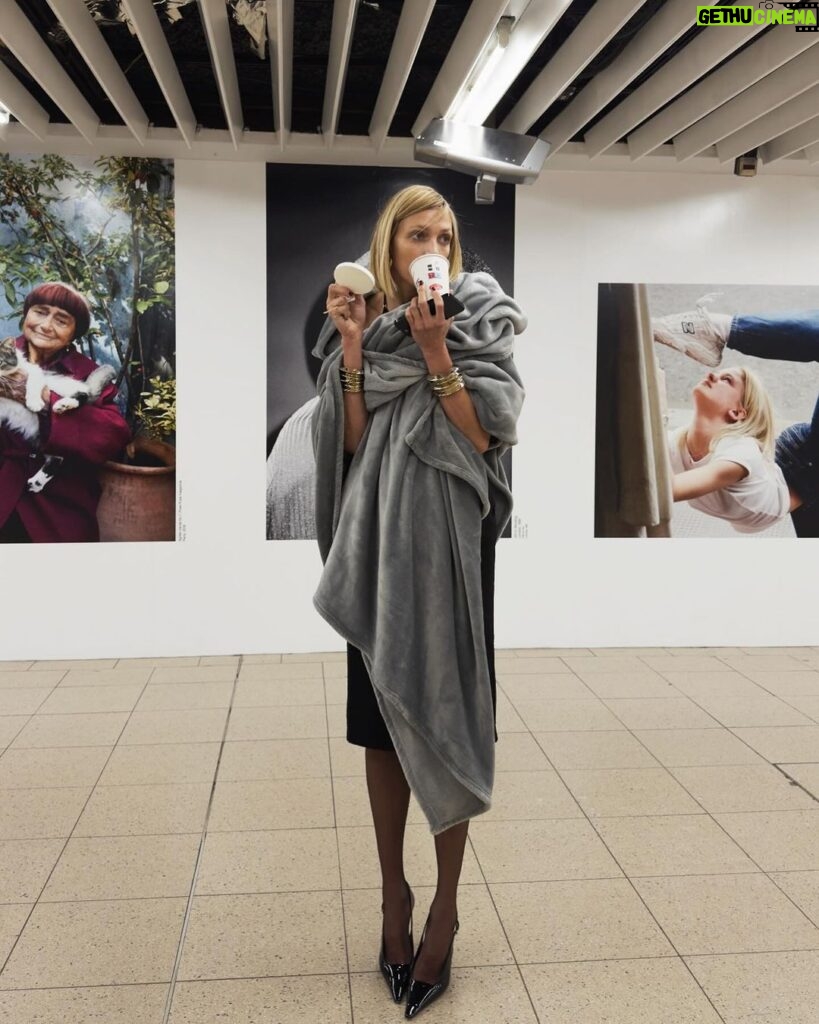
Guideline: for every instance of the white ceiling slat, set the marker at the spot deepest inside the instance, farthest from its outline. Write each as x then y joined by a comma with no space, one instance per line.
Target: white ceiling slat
23,40
663,29
76,19
412,24
341,39
145,21
770,126
280,41
217,31
535,23
18,100
812,154
772,91
480,22
790,142
587,40
693,61
767,54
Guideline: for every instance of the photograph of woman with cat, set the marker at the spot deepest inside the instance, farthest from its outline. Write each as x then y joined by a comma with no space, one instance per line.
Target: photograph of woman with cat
58,423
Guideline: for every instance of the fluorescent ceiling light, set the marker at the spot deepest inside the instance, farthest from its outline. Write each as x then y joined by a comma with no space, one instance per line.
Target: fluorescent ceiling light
5,114
469,95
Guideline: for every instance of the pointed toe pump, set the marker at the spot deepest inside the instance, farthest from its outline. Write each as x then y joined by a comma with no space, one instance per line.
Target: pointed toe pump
420,993
397,976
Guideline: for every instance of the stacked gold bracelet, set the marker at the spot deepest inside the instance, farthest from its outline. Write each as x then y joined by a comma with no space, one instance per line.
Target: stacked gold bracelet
352,381
446,384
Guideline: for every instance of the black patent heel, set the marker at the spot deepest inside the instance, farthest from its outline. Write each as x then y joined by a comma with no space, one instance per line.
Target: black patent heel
397,976
420,993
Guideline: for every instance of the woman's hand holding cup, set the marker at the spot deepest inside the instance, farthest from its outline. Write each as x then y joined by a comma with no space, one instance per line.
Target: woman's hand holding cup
428,329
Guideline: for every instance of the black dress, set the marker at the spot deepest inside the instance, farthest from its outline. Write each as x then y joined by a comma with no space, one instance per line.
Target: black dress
365,723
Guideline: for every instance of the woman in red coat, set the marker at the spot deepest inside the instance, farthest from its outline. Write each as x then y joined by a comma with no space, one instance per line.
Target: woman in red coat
54,316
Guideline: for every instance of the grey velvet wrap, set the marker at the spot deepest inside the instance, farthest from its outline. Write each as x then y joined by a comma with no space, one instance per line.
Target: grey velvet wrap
401,540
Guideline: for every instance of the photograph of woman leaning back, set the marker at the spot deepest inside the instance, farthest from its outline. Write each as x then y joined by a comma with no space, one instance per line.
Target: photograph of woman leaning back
411,497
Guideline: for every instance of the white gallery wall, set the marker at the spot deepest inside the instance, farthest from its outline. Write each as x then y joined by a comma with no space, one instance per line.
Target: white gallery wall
222,588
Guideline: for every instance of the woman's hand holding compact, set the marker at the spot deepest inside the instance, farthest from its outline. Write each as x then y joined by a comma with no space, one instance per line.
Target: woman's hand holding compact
348,312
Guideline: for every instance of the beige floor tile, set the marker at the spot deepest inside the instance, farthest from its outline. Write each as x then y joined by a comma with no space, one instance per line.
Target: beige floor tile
683,747
494,994
540,851
15,666
119,1004
261,659
52,767
321,999
751,712
777,841
110,943
272,934
359,860
186,662
630,685
712,684
712,914
277,723
783,743
803,888
101,730
480,939
519,752
506,718
335,690
761,988
807,705
747,787
616,749
547,922
545,687
763,662
335,669
522,795
221,660
185,696
807,775
628,652
123,867
271,672
623,991
144,810
315,656
10,726
672,713
274,759
337,720
30,680
79,700
40,813
585,667
174,676
296,860
86,664
768,652
152,727
684,663
673,844
782,684
23,701
566,715
106,677
711,652
12,919
271,804
278,692
160,764
617,792
348,759
529,666
25,865
547,652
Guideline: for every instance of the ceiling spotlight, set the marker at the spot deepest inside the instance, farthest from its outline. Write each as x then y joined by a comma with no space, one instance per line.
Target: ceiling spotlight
5,114
745,166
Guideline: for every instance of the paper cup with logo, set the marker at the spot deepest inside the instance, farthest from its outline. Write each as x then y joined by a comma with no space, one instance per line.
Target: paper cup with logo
431,270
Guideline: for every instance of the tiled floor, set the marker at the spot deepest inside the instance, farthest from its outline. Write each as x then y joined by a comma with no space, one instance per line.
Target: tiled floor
188,841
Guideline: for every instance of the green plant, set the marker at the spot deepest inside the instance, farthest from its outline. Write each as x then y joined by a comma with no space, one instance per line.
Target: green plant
156,412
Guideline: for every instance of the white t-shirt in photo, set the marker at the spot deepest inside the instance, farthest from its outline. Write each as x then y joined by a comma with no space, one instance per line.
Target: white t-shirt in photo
757,501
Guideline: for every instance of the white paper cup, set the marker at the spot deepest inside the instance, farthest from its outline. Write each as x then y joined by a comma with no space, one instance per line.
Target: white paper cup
431,270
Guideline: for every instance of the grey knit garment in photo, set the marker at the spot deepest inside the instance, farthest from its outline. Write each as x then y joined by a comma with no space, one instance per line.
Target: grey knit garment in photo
401,541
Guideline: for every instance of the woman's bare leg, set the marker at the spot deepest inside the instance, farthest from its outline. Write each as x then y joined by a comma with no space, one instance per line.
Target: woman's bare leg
389,802
449,852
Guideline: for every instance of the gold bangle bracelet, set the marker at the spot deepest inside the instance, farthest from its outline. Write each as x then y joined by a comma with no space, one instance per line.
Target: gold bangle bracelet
352,380
446,384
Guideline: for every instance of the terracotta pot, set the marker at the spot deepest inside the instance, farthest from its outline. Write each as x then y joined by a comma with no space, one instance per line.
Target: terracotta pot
138,500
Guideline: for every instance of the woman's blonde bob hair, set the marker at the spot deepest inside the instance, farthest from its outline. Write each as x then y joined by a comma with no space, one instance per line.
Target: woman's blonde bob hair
406,203
758,422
